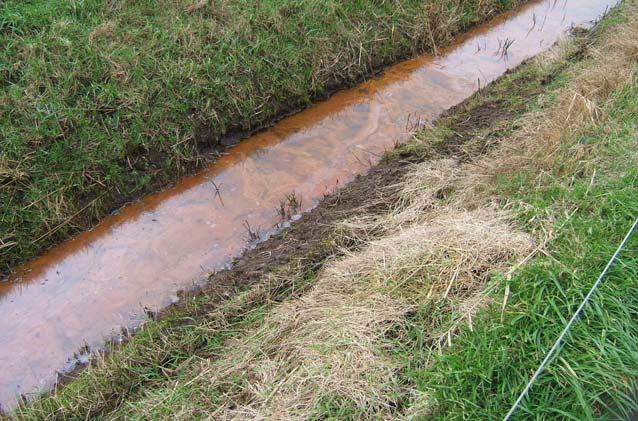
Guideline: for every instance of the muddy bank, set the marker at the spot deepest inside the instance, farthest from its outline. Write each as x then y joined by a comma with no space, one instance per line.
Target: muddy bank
136,261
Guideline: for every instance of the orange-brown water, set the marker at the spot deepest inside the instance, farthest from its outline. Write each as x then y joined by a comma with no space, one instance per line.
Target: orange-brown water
86,289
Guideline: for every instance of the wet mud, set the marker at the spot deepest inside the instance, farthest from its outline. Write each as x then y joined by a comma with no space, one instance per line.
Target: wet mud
83,292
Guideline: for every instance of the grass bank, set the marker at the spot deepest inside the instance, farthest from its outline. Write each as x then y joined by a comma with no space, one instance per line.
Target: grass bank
101,101
437,292
568,175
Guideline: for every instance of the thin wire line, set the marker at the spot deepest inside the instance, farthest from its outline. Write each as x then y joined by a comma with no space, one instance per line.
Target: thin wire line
570,323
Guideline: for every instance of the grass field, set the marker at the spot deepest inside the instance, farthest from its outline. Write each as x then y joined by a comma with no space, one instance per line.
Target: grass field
104,100
442,301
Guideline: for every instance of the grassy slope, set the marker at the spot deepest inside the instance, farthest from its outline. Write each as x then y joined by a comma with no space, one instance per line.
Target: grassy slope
102,100
487,368
167,368
589,209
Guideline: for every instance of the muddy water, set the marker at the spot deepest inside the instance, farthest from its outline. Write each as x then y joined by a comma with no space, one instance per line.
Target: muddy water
88,288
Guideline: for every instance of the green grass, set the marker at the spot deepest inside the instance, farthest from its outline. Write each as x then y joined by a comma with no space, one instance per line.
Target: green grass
594,375
103,100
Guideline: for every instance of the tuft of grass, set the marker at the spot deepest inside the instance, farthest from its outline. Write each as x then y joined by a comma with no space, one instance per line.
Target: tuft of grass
102,101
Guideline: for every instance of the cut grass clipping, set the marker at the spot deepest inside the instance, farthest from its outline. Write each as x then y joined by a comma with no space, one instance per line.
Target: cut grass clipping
101,101
450,300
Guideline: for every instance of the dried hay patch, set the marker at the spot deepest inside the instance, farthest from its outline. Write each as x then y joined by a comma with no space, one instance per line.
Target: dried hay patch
105,30
9,171
545,144
330,341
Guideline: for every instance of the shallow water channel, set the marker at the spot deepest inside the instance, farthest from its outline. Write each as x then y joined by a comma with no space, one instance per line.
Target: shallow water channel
83,292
